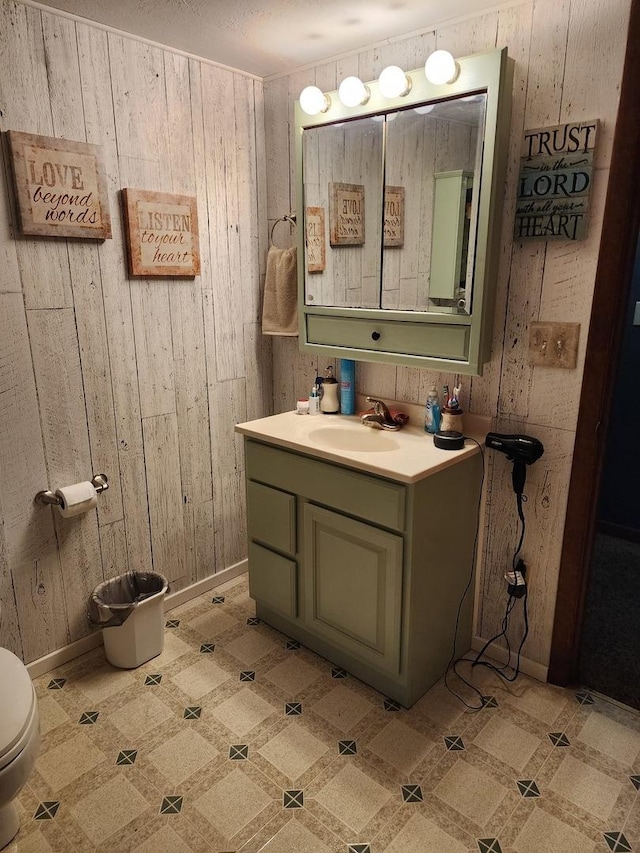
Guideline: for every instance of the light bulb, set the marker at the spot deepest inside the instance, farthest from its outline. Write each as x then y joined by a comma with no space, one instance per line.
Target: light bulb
441,68
424,109
393,82
352,92
314,101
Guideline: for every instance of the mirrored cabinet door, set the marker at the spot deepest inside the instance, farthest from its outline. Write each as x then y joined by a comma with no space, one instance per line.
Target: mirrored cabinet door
342,178
433,152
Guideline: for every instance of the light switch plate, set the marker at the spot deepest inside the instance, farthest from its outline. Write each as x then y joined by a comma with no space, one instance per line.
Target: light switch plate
553,344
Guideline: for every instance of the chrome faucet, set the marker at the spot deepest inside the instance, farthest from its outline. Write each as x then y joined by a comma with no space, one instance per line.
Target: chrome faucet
381,417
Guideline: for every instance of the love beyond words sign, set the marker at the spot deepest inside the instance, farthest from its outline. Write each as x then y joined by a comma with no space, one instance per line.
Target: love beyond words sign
556,170
61,187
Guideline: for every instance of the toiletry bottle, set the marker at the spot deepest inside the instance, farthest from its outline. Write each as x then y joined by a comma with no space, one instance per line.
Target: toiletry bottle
314,401
432,412
347,386
329,404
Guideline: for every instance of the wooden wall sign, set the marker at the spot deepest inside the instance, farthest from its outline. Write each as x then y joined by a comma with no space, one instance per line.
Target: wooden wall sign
61,187
315,238
162,233
556,169
346,214
393,217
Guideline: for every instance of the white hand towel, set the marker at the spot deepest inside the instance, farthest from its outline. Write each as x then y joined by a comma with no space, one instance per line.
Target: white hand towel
280,305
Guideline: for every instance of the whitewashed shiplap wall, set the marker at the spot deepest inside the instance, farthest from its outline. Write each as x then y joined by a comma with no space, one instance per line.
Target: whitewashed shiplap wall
569,59
140,379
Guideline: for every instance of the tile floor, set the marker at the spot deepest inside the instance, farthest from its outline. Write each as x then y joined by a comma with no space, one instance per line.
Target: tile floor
238,739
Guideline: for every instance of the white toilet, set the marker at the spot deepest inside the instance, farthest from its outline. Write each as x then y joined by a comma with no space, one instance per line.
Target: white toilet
19,738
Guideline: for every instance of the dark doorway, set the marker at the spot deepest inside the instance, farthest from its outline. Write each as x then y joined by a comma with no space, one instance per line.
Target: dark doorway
620,230
609,659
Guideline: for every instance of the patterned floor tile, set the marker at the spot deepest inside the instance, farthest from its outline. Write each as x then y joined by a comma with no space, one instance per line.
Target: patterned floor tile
293,675
412,794
353,798
243,711
294,830
46,810
193,712
528,788
342,708
511,744
171,804
398,747
231,805
559,739
293,751
412,829
194,752
109,809
64,764
239,751
293,799
182,755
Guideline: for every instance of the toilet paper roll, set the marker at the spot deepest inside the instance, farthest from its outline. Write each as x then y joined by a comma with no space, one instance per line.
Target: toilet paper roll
76,499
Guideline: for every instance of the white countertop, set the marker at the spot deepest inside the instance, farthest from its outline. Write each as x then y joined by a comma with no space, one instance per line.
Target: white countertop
407,455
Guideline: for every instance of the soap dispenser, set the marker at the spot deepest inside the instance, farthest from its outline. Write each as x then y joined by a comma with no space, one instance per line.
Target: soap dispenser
329,404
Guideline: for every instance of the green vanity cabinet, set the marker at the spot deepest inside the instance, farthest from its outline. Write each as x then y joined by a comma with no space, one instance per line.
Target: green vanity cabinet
365,570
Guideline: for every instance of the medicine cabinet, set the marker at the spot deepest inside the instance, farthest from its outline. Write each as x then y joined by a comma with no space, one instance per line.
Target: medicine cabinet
399,205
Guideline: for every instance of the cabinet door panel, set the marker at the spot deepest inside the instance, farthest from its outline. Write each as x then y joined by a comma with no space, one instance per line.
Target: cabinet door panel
273,580
353,585
271,516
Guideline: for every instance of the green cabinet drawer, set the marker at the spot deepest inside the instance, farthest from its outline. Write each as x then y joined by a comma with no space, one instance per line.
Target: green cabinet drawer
370,498
271,516
273,580
353,586
439,340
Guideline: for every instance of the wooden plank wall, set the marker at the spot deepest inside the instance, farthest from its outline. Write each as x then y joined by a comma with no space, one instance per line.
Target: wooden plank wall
140,379
568,65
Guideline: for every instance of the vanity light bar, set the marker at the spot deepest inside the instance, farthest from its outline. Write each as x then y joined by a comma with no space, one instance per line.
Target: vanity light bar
440,68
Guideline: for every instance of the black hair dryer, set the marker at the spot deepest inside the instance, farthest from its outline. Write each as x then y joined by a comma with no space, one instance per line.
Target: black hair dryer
522,450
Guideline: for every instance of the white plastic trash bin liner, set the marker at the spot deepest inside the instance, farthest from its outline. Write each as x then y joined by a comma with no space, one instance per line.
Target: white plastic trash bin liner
130,611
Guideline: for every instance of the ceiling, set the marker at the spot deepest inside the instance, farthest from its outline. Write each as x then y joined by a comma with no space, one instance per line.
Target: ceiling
267,37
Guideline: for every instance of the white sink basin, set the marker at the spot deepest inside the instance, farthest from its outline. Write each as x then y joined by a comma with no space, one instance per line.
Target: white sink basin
356,438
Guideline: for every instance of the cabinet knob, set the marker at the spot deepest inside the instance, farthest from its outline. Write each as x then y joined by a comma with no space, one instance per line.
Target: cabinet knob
375,336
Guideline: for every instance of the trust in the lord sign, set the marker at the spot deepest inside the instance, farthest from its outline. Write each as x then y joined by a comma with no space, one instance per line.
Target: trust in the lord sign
556,169
162,233
61,187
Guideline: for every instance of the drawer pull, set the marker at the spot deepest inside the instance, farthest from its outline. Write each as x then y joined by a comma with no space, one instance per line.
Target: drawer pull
375,336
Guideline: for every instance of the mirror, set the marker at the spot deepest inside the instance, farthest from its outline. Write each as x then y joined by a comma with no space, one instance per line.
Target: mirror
343,176
433,155
399,218
429,156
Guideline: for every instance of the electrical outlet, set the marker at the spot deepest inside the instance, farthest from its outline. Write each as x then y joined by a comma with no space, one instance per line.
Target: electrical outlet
553,344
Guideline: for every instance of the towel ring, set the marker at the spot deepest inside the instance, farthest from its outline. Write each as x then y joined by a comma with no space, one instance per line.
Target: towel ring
290,218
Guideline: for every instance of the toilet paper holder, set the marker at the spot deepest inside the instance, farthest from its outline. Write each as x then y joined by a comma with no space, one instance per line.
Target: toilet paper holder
99,482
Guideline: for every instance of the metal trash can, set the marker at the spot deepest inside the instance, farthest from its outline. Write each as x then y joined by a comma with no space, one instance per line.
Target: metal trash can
130,611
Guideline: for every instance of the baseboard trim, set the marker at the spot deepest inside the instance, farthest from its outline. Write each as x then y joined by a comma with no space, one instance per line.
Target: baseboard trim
92,641
175,599
529,667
